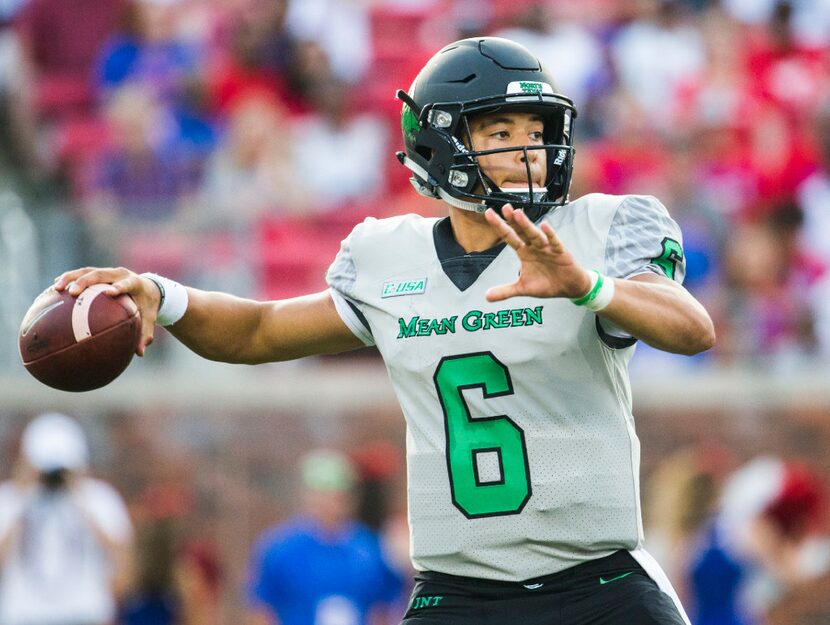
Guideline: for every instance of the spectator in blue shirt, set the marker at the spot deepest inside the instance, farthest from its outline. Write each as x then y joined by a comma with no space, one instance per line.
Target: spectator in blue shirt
321,567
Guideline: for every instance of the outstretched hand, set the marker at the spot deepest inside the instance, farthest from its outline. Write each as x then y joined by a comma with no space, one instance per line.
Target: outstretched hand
548,269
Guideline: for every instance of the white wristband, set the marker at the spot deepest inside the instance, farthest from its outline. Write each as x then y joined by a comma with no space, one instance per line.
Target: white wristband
173,302
599,295
604,296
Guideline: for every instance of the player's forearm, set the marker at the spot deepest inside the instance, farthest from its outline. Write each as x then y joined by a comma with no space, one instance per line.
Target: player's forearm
222,327
219,326
662,314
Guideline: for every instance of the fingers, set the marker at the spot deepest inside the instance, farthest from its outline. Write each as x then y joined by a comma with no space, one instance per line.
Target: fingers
530,232
517,222
79,279
554,241
499,293
132,283
505,232
147,329
63,280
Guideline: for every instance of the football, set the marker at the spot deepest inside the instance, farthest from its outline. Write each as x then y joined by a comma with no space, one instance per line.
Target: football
79,343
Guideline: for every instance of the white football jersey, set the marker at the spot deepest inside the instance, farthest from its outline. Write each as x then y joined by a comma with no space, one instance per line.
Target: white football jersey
521,452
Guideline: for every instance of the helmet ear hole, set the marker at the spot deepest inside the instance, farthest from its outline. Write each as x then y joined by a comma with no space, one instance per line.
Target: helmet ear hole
424,152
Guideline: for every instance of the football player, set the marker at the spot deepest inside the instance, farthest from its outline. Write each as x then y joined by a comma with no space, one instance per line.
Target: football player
506,328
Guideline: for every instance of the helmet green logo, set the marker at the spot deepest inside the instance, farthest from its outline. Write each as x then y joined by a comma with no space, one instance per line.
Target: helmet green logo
531,87
409,122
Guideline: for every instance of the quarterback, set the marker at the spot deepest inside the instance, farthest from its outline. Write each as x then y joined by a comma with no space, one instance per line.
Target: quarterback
506,329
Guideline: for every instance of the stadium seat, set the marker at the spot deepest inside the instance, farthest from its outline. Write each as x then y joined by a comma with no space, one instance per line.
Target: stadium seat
294,254
78,142
59,96
395,28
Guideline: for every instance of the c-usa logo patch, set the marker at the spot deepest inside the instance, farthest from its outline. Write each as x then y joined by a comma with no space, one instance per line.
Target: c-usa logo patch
396,288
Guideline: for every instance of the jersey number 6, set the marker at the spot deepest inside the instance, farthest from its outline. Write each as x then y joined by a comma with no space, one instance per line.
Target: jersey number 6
486,455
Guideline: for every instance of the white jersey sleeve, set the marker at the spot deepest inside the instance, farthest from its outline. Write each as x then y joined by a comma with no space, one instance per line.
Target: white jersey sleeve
643,238
341,278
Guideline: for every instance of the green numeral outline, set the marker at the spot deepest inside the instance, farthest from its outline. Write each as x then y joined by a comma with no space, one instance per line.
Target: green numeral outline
466,437
672,254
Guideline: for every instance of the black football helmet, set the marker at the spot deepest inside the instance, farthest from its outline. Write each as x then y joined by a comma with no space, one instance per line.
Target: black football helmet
475,76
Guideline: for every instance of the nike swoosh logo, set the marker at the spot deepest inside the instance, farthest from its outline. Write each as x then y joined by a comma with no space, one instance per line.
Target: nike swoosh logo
604,581
41,314
532,586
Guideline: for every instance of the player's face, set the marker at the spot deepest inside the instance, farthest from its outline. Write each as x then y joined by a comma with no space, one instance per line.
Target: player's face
507,130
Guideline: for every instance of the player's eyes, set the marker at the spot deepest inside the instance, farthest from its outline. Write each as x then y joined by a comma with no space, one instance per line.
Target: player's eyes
503,135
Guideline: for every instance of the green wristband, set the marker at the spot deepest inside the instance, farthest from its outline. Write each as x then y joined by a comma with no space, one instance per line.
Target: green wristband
591,295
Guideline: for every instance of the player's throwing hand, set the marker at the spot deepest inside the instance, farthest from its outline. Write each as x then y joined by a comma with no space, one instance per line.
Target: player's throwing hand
548,269
122,281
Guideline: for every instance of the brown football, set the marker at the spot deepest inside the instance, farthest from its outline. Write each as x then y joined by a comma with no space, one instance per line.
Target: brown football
79,343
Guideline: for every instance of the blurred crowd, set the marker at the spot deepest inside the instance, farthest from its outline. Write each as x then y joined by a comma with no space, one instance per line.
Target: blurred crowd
735,508
146,518
745,543
233,144
139,519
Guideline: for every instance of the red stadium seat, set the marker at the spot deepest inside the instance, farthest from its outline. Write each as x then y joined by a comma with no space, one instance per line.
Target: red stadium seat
294,255
395,28
62,95
79,141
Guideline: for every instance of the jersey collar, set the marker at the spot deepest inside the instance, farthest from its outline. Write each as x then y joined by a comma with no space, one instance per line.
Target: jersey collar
462,268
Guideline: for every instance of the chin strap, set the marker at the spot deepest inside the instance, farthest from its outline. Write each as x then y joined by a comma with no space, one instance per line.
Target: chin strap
436,191
475,207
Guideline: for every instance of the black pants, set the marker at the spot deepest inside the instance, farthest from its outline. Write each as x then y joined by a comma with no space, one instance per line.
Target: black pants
609,591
